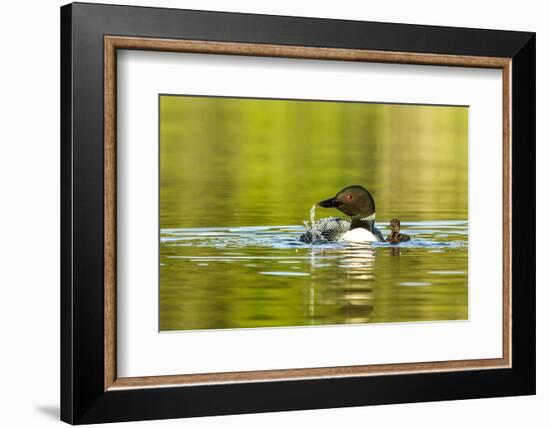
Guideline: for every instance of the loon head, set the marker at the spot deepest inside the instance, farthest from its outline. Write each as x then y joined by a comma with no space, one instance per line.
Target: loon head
355,201
395,225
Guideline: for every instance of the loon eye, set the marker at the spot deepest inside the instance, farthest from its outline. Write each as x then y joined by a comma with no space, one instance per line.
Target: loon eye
349,197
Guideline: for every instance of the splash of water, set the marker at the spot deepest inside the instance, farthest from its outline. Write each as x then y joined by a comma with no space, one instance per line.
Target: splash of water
309,224
316,235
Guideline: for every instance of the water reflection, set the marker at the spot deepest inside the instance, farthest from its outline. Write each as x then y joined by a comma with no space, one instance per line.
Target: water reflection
350,289
396,251
265,277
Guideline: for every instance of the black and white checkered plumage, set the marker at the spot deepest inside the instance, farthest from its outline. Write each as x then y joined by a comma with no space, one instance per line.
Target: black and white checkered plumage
328,229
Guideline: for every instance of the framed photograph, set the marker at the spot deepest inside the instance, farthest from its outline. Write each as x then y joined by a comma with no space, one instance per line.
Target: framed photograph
265,213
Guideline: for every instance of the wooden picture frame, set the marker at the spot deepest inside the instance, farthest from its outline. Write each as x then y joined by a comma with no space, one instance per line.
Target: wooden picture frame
91,390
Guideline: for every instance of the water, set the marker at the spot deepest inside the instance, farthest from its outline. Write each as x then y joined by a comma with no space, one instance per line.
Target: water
263,276
237,178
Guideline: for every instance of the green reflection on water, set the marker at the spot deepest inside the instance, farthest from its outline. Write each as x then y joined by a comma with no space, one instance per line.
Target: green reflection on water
237,163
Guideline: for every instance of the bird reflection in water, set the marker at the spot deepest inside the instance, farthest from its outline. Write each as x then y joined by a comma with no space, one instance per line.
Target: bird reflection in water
395,251
348,291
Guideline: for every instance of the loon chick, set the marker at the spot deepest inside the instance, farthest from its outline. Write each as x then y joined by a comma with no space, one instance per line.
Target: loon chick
395,237
358,204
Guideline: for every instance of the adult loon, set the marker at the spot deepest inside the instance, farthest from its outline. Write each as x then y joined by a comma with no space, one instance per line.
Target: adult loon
358,204
395,237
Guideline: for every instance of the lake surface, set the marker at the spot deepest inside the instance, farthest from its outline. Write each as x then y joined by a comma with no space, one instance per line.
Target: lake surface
238,178
264,277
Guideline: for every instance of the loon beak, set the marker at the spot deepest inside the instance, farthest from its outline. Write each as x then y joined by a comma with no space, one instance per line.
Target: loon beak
330,203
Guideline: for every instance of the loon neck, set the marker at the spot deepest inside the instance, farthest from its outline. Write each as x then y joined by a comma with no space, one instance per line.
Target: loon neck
365,223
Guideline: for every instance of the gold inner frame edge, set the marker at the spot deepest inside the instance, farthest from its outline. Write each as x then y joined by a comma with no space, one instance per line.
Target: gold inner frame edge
113,43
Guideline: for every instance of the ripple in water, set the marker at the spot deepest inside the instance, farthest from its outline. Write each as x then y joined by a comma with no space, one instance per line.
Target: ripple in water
263,276
423,235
